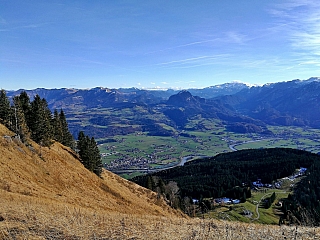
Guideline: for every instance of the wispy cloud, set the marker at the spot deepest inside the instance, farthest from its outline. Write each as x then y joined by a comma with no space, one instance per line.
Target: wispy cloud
194,61
8,27
302,24
232,37
183,45
236,37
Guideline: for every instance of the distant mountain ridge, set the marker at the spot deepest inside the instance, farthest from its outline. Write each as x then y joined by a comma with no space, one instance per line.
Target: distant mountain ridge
240,107
101,96
294,102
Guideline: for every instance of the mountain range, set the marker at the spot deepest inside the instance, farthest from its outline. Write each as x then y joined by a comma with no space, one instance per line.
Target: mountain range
240,107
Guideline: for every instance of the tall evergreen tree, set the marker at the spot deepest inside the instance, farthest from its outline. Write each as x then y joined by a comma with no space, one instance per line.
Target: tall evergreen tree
40,121
89,153
97,168
82,146
67,138
61,131
57,128
24,102
5,110
21,127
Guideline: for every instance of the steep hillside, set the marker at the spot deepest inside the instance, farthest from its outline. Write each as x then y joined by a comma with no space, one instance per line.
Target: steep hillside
56,174
47,194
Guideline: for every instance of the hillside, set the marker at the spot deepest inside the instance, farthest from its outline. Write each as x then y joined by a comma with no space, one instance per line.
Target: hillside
292,103
47,194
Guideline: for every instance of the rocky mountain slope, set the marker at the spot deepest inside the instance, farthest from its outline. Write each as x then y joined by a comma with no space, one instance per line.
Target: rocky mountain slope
45,193
289,103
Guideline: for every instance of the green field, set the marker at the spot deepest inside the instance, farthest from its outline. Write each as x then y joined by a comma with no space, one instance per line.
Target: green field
138,150
235,212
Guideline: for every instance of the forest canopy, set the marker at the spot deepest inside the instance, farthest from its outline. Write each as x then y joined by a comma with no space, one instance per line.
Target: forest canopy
217,176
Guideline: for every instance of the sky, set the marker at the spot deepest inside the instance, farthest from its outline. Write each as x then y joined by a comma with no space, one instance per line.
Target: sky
156,44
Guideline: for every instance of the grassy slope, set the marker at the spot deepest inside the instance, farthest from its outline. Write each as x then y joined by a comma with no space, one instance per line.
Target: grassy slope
54,197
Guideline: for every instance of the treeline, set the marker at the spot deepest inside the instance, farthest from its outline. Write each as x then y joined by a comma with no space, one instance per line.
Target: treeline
230,174
34,120
303,206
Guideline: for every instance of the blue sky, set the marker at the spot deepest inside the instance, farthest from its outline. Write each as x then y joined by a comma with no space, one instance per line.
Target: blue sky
156,44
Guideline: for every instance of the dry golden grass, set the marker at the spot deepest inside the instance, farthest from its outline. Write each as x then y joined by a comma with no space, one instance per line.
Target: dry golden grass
47,194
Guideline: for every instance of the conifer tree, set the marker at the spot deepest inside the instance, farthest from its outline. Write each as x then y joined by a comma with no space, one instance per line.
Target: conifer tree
21,127
5,110
61,131
24,102
82,146
67,138
40,121
57,128
97,168
89,153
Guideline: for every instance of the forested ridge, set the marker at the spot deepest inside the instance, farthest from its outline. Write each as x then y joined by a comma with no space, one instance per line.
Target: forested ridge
231,174
216,176
303,206
33,120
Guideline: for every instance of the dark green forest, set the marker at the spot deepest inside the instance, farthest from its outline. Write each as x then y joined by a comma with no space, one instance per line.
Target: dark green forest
303,206
231,175
218,176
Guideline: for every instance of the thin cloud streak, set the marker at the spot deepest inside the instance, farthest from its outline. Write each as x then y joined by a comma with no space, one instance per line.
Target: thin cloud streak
303,24
233,37
194,62
27,26
183,45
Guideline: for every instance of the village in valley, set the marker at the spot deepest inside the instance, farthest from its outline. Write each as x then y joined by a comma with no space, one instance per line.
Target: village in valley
228,208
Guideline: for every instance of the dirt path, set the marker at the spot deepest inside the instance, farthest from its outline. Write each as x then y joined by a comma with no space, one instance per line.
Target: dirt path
257,206
262,198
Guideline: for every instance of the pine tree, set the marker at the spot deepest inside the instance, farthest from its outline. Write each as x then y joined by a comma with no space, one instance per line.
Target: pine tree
57,128
97,162
89,153
40,122
82,146
21,127
24,102
67,138
5,110
61,131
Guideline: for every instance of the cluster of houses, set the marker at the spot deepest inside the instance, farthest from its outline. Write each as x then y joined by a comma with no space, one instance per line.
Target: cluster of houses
220,201
227,201
259,184
256,185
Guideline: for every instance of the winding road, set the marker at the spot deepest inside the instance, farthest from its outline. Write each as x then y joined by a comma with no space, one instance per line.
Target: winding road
257,206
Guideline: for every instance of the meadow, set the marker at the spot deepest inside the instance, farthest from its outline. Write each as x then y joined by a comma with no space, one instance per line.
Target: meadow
254,206
138,152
